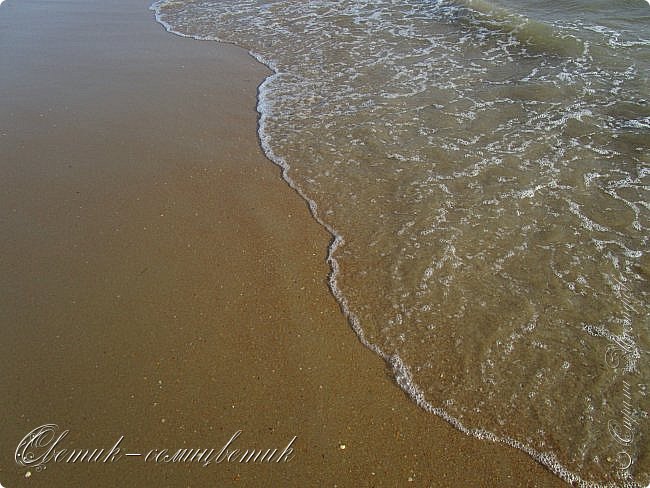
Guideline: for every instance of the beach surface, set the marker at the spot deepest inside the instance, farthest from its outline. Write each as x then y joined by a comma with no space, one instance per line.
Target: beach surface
164,286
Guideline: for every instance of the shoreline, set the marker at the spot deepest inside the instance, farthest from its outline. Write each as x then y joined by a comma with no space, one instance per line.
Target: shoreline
163,284
399,370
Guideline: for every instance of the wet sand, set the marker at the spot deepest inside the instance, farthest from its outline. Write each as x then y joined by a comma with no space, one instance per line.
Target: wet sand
162,283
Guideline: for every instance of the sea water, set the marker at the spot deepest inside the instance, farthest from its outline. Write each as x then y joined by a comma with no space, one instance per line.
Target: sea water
483,167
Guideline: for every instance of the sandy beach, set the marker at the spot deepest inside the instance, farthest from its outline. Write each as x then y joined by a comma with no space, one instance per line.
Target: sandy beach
163,285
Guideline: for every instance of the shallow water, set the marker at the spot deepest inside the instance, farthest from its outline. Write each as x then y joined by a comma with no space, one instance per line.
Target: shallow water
484,166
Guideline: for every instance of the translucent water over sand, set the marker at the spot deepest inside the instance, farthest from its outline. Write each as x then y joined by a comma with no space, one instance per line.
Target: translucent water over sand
484,166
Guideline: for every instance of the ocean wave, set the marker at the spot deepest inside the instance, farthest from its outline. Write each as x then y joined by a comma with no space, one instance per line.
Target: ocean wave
485,201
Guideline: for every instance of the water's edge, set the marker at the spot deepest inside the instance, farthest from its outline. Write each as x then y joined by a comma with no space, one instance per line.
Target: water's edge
400,370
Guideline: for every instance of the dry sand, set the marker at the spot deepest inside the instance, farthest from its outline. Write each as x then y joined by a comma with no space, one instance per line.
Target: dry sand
162,283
